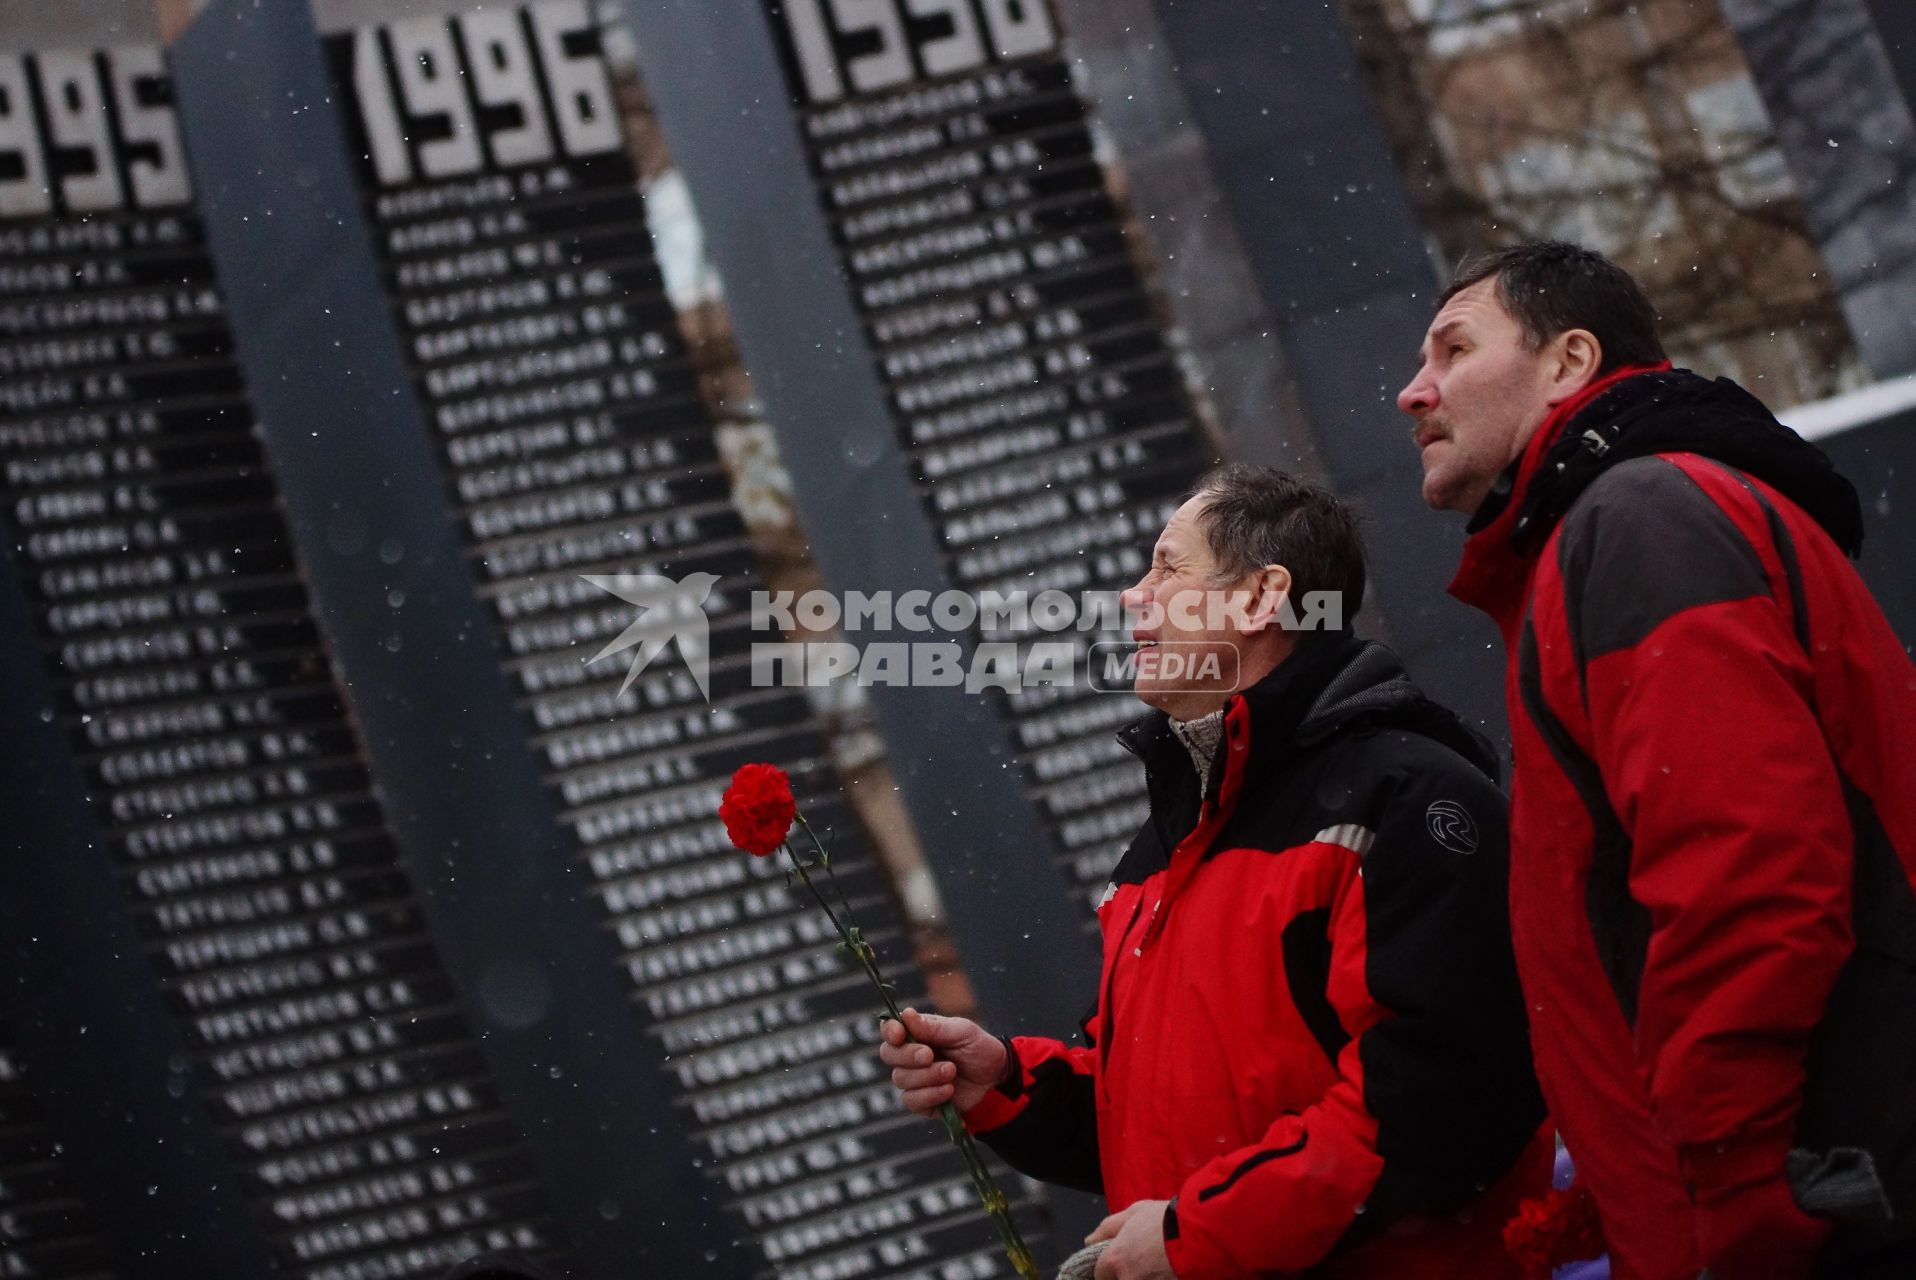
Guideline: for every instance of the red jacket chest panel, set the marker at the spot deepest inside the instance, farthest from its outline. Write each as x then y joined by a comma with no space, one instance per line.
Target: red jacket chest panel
1201,1044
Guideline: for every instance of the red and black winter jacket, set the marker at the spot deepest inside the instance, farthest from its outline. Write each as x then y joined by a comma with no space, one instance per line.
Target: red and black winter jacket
1713,830
1308,1033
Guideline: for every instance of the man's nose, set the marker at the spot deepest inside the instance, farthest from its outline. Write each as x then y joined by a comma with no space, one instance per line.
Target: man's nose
1419,396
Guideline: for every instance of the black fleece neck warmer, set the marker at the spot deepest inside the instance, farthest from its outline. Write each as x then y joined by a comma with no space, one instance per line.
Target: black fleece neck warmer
1676,411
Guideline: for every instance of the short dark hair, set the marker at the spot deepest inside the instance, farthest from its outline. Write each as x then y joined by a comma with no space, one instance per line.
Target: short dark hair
1254,516
1552,286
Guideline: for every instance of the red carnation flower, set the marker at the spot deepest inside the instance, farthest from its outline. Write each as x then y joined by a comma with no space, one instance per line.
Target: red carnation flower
758,808
1559,1229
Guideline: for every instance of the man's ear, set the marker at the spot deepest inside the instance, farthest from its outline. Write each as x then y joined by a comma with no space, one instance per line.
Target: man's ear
1270,603
1576,355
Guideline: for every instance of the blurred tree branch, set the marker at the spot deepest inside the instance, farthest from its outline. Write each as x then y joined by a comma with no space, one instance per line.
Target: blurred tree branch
1518,120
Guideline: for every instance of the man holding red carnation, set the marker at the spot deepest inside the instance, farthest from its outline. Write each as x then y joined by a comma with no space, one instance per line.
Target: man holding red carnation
1308,1053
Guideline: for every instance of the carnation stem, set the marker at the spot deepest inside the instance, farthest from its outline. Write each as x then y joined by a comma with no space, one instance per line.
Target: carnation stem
996,1207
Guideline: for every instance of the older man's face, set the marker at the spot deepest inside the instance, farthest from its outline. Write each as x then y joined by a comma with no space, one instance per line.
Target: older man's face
1185,619
1478,397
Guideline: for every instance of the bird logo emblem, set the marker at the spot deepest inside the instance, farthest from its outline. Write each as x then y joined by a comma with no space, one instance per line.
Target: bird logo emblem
669,612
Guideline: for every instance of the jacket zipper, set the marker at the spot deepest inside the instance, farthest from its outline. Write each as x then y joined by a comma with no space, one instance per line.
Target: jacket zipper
1124,939
1105,1037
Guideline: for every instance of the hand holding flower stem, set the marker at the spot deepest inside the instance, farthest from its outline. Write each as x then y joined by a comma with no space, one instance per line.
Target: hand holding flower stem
759,810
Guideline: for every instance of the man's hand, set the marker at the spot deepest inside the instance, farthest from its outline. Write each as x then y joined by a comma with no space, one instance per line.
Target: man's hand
953,1060
1137,1244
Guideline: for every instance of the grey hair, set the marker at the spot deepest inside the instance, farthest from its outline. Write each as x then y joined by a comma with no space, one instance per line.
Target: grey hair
1255,516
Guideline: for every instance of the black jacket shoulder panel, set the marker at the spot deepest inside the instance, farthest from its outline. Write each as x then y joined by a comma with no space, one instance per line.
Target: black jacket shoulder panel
1402,783
1145,856
1676,411
1373,778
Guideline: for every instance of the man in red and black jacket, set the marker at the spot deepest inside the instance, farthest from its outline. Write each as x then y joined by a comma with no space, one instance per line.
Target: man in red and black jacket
1308,1052
1713,821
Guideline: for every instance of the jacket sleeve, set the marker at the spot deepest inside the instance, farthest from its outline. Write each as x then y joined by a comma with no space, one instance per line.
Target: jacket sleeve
1710,753
1434,1097
1042,1117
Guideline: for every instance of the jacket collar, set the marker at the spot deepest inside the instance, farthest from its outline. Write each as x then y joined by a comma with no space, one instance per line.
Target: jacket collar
1495,571
1637,413
1330,683
1273,708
